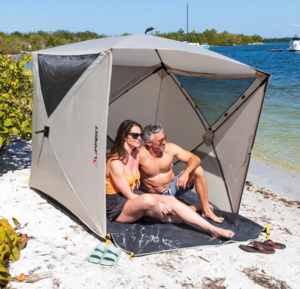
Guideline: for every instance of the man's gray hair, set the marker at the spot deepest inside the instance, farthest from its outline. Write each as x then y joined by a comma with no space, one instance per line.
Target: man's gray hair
149,130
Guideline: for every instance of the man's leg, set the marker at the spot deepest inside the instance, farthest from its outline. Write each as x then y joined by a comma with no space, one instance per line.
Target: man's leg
178,192
198,178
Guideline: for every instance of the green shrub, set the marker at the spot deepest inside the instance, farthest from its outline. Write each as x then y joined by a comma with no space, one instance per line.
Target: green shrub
15,98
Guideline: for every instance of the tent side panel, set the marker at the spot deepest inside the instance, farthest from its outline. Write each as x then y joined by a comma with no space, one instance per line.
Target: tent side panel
70,164
49,178
233,142
78,135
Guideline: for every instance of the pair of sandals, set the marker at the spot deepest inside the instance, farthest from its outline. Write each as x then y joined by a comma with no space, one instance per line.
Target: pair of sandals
266,247
105,255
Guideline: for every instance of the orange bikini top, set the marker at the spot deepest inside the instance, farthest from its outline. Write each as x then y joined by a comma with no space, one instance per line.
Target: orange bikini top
132,181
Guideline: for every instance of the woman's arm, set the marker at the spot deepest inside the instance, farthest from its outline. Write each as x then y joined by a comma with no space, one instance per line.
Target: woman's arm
117,172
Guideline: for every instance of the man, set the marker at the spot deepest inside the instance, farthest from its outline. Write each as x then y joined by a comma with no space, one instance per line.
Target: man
156,167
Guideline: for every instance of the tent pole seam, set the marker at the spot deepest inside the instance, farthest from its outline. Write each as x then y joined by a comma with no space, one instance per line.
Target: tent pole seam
190,99
241,105
234,103
139,81
161,80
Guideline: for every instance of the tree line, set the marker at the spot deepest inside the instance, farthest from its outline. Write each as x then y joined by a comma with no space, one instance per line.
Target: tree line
16,42
283,39
211,37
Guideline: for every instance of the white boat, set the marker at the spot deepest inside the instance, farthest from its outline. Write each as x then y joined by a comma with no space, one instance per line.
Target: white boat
205,46
295,44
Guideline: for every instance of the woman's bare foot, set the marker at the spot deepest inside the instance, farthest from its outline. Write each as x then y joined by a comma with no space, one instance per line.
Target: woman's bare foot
210,214
218,232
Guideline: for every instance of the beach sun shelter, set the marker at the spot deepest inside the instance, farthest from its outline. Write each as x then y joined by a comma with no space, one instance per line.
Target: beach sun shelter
83,91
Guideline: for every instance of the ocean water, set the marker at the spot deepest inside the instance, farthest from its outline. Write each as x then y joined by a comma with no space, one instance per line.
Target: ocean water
278,138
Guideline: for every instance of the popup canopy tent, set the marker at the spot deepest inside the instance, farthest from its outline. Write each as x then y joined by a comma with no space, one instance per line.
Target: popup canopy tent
83,91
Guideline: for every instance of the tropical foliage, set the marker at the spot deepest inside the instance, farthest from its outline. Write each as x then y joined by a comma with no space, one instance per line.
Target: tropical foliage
212,37
16,41
15,98
10,245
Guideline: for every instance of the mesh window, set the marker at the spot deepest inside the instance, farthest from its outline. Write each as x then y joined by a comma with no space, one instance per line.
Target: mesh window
214,96
58,73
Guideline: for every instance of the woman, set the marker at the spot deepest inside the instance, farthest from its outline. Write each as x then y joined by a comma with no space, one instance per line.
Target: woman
125,203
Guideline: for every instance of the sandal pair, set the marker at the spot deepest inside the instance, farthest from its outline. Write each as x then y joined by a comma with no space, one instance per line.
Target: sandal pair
266,247
105,255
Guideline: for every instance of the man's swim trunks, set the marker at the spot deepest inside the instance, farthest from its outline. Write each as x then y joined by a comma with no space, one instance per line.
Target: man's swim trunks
172,191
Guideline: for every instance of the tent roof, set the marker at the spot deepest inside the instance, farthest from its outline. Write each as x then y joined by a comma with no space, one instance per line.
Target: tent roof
148,50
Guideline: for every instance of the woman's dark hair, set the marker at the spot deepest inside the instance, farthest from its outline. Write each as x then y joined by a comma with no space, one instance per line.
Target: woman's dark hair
117,151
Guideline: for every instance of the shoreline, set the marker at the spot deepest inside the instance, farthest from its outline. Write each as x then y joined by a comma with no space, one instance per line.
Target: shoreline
284,181
292,169
260,43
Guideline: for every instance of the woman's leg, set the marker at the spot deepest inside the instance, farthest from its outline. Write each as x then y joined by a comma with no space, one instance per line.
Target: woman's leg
188,215
145,204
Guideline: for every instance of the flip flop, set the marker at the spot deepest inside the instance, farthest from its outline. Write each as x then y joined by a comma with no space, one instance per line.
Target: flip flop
275,245
97,254
253,247
111,257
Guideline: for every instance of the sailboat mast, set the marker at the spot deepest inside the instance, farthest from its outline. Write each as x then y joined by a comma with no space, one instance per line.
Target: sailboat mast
187,22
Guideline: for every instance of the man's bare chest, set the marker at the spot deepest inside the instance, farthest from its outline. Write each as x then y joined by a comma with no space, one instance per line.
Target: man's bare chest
154,166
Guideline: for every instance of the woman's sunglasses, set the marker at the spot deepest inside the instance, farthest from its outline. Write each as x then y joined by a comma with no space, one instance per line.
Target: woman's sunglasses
135,135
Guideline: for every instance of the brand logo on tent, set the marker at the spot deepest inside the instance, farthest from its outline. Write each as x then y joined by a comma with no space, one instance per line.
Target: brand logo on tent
95,161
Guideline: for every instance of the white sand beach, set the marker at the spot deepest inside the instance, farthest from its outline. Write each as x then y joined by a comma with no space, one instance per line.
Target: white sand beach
59,245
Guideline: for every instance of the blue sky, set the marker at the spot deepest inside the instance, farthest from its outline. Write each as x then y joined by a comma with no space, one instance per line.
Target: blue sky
268,18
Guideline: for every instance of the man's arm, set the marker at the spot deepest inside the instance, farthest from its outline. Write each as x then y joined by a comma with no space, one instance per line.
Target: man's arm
186,157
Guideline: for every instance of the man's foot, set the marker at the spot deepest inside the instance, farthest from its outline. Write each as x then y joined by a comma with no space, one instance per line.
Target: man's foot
218,232
198,207
210,214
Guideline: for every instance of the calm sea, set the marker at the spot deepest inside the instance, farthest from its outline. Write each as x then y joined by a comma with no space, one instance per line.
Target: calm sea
278,137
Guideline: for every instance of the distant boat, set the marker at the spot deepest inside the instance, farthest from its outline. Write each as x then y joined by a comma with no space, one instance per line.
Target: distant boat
276,50
295,44
204,45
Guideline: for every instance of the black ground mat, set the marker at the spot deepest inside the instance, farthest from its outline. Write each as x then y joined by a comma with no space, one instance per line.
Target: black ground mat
147,236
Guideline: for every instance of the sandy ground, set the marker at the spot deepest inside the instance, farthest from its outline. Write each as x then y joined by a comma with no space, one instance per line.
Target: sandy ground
61,246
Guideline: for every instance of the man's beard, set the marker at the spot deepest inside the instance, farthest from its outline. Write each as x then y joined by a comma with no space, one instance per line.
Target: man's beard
159,149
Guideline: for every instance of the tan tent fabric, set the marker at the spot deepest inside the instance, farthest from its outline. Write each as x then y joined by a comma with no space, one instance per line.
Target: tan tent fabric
133,77
240,129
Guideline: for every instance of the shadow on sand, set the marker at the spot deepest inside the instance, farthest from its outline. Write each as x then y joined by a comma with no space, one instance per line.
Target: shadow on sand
17,156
